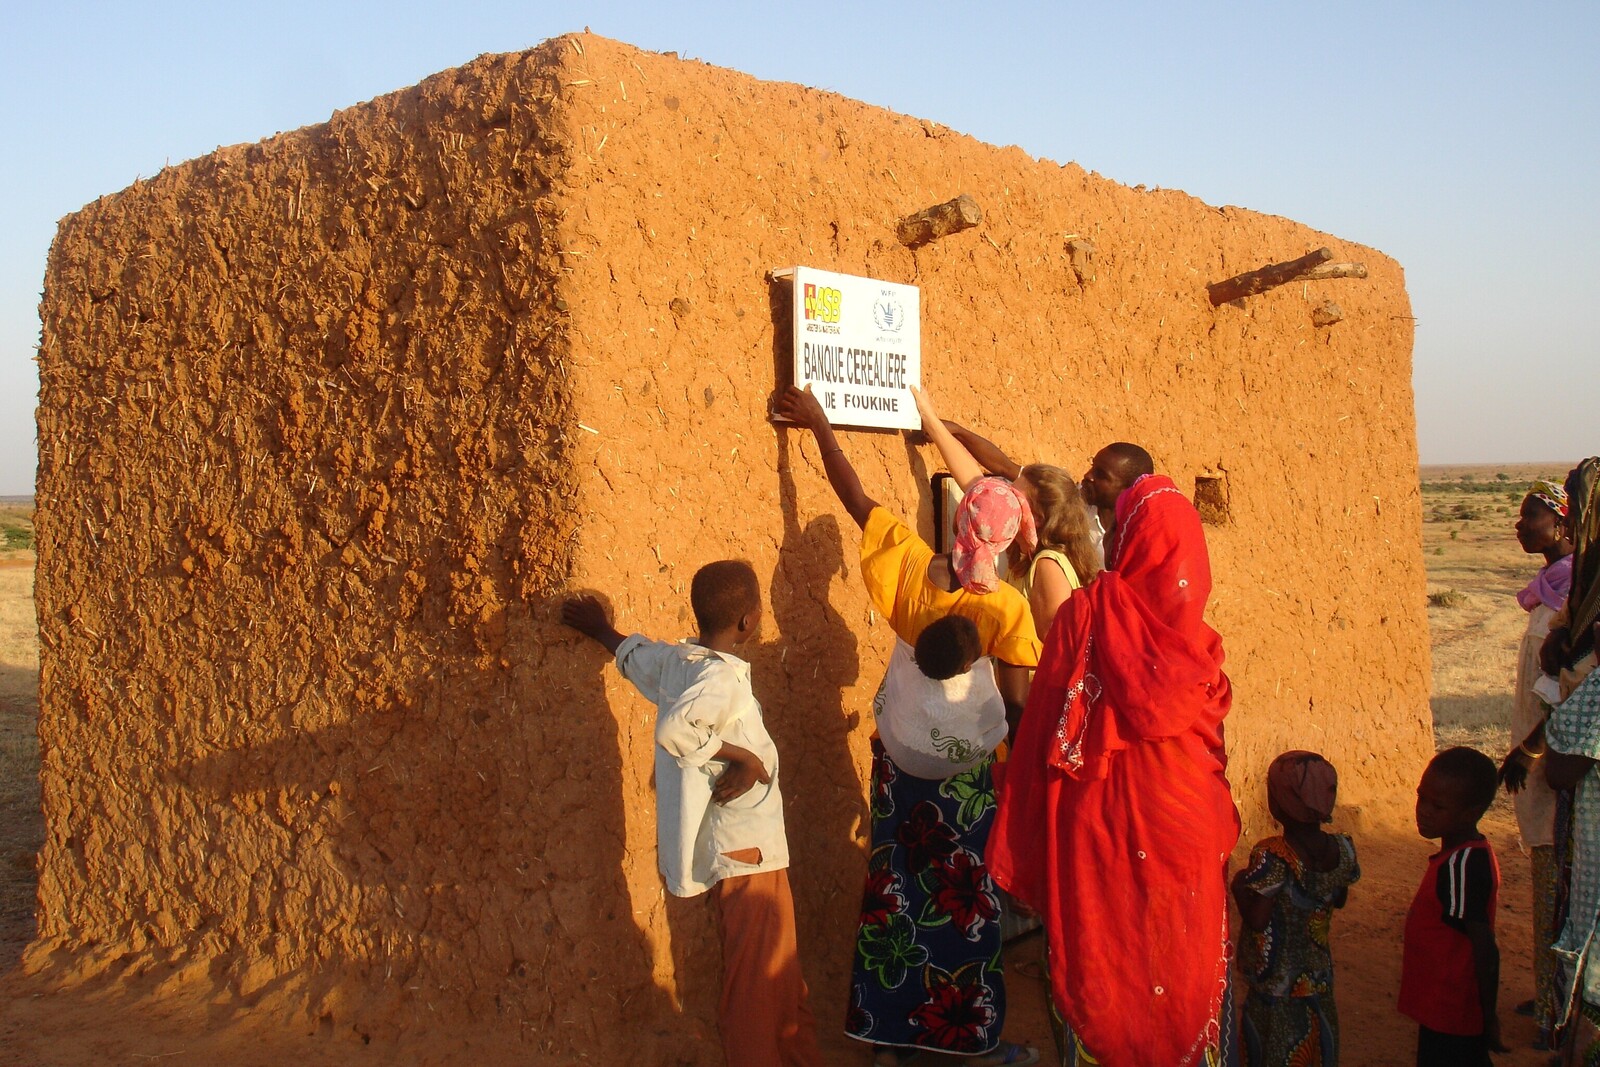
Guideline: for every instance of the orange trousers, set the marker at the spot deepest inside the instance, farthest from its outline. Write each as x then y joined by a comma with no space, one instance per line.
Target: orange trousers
764,1015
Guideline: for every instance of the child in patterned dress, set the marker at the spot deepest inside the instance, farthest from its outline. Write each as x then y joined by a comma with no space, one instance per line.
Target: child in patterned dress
1286,896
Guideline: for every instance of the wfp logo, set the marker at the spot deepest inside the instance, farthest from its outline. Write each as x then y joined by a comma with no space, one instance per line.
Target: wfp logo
822,304
888,314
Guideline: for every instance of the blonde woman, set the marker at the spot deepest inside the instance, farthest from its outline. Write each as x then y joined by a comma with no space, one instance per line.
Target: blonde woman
1066,557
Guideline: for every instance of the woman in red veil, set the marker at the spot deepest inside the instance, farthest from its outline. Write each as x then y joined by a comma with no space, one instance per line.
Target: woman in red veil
1116,822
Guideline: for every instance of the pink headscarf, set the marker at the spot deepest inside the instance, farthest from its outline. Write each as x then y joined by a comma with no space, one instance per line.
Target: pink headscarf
989,518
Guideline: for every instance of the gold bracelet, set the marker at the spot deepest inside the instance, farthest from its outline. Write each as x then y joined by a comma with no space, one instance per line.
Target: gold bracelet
1523,748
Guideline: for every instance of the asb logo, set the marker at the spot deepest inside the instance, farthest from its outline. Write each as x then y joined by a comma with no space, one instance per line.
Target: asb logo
822,304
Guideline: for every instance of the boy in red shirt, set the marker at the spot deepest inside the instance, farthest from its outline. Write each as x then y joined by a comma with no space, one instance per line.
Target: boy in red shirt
1451,973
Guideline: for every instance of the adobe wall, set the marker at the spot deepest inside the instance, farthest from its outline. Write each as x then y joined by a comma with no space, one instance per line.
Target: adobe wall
329,423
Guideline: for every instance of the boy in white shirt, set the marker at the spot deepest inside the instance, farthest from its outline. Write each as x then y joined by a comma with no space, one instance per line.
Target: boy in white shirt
719,814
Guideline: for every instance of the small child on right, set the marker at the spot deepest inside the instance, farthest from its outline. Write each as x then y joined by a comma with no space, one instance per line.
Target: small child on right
1286,896
1450,978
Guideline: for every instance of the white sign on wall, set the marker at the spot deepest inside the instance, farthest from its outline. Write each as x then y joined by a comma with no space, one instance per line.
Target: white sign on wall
858,344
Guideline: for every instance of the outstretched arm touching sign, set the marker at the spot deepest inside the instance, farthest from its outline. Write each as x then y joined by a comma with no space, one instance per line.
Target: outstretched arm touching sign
803,409
963,467
988,454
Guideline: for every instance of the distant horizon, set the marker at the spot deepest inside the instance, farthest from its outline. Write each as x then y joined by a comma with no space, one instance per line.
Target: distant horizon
1497,467
1563,465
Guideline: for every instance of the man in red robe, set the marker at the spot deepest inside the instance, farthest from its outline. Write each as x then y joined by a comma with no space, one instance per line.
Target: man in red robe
1116,820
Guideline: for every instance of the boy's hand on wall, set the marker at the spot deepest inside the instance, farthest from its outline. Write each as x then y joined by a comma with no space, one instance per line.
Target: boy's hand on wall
585,615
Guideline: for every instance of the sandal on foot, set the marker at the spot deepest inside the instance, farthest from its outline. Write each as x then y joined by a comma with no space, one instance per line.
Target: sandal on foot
1006,1054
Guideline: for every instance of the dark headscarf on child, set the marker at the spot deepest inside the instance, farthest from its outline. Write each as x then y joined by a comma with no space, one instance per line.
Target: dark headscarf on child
1302,785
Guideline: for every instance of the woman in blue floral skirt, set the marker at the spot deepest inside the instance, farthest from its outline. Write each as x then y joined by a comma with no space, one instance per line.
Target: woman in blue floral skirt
927,972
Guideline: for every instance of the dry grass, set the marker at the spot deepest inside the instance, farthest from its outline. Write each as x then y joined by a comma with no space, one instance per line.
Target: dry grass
16,528
21,825
1475,568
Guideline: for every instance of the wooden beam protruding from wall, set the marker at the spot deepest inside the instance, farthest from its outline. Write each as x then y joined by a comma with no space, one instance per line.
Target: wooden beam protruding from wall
938,221
1270,277
1335,270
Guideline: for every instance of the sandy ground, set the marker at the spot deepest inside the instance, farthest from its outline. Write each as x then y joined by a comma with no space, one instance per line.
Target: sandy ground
159,1015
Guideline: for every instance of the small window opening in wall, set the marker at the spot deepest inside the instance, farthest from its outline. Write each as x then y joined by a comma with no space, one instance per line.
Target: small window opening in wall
1211,498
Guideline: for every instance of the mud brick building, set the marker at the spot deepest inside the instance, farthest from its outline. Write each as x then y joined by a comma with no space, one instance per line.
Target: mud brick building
329,423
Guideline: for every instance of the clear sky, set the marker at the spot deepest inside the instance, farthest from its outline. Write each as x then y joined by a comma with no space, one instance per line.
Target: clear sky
1461,138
